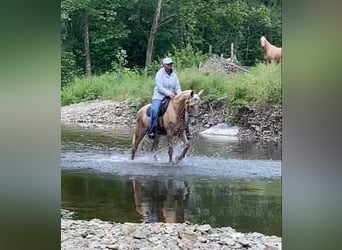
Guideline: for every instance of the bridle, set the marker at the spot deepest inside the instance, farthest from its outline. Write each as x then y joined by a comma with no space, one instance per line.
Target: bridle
187,106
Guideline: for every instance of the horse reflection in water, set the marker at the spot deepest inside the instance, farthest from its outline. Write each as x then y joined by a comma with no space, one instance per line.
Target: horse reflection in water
173,122
272,53
161,201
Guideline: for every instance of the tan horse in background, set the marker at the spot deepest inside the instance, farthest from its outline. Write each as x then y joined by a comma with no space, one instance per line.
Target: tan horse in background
173,121
272,53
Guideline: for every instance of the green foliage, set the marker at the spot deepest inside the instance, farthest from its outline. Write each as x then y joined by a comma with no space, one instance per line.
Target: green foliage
118,85
152,69
119,32
68,67
187,57
262,86
186,31
240,97
121,60
81,90
214,84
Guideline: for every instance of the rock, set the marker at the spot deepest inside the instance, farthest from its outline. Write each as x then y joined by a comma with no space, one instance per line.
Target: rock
203,228
227,241
65,214
202,239
139,236
244,242
236,235
112,247
221,131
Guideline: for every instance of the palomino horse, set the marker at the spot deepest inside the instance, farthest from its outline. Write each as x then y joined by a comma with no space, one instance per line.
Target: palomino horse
271,52
173,122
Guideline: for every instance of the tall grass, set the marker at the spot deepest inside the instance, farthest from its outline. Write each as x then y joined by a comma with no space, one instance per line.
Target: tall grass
261,86
120,85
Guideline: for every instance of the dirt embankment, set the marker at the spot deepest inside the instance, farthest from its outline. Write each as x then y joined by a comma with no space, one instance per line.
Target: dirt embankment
257,123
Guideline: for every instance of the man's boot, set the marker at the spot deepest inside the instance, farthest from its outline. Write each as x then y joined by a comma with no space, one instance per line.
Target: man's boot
151,134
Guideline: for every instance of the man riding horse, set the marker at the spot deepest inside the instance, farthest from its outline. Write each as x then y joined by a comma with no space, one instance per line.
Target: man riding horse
166,85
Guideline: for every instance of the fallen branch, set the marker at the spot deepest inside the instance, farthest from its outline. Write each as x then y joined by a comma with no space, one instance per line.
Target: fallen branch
230,63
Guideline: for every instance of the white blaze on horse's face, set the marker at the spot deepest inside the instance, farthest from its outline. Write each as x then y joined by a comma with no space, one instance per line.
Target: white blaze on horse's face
263,41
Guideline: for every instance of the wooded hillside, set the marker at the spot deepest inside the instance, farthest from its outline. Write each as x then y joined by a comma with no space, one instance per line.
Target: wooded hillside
101,35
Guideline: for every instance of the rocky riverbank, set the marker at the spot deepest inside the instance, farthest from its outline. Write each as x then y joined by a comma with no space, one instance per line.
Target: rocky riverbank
97,234
259,124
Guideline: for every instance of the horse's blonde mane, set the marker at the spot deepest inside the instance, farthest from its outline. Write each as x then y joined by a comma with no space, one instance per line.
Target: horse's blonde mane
183,94
263,39
267,43
271,52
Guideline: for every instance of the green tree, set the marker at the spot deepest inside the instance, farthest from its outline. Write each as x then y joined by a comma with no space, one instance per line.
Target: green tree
97,34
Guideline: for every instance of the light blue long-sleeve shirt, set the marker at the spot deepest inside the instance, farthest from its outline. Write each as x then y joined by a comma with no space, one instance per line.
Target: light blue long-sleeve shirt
165,84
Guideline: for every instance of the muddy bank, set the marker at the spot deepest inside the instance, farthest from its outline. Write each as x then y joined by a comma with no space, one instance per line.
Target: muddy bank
97,234
256,123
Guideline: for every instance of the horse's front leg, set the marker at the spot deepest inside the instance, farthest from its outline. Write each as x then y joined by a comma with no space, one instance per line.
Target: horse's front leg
186,147
170,147
155,147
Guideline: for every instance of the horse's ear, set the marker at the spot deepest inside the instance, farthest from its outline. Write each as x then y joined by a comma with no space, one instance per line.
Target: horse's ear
199,93
191,93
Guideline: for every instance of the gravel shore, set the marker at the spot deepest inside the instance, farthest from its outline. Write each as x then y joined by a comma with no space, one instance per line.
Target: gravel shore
97,234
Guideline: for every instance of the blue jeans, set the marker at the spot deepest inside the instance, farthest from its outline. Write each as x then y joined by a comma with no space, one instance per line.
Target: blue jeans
153,114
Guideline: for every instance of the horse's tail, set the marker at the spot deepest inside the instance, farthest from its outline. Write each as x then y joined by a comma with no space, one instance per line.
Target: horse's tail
136,128
133,139
138,133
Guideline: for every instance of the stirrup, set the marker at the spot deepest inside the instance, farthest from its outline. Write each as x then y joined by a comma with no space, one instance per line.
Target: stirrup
151,135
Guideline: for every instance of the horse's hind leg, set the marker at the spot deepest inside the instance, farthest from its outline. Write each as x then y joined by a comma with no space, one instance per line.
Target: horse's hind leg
137,137
170,150
155,147
186,147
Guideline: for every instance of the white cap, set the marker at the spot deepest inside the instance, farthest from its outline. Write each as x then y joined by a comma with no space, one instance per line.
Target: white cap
167,60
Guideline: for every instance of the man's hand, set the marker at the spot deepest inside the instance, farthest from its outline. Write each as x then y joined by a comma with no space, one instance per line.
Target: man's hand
171,95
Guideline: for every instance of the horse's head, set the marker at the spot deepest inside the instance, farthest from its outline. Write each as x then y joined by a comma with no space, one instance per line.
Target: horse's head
263,41
193,103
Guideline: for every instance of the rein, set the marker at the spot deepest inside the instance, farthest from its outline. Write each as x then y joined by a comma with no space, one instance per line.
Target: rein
180,112
187,106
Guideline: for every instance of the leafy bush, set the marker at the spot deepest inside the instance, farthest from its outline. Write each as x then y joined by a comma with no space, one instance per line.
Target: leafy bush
81,90
152,69
124,84
239,97
187,57
68,67
120,60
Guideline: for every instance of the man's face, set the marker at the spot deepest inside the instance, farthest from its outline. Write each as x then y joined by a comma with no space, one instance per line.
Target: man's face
168,66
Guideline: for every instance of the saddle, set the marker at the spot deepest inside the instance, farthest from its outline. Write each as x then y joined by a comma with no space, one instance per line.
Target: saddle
162,109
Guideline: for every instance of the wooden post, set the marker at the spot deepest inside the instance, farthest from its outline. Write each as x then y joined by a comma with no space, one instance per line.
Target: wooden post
231,51
210,49
221,62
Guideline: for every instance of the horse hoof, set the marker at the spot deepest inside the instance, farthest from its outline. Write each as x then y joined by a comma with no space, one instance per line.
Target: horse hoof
178,159
171,163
